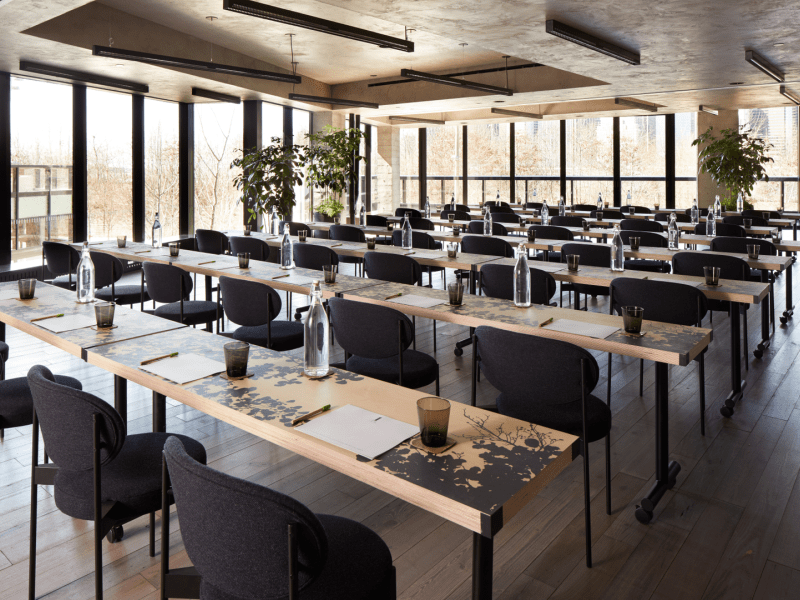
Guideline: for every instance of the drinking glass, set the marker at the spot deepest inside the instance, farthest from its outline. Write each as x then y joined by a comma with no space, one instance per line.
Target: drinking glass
371,244
244,260
748,223
121,241
104,315
456,293
753,250
532,236
26,289
174,249
572,261
434,417
776,236
632,319
452,250
712,275
236,355
657,206
599,215
635,241
451,217
586,225
766,216
301,235
456,231
329,273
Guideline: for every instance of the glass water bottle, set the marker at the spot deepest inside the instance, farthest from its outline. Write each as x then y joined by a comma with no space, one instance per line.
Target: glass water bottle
673,233
407,234
617,251
487,222
717,208
695,212
85,284
156,232
711,224
316,336
453,202
362,215
562,208
545,213
522,278
600,201
286,249
274,222
739,203
628,201
427,207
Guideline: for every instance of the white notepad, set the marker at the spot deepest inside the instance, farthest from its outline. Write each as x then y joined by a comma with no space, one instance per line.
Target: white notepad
580,328
363,432
67,323
418,301
185,368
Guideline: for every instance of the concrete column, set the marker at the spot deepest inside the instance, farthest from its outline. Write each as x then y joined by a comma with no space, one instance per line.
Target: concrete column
727,119
386,195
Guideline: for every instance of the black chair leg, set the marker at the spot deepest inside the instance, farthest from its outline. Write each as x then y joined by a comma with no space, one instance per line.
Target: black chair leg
585,448
608,444
745,348
641,377
34,511
702,375
152,534
434,336
414,325
437,380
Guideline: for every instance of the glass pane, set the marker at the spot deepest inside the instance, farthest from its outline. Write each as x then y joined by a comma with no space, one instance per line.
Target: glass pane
271,123
488,162
109,158
445,164
642,156
536,147
301,121
409,168
685,159
590,150
41,165
218,140
161,163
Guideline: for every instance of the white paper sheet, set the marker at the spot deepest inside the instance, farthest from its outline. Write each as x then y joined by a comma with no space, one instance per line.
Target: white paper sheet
580,328
363,432
185,368
67,323
418,301
691,283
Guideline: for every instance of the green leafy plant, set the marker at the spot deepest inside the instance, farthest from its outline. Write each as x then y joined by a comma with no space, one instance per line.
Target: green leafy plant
332,161
735,160
268,178
330,207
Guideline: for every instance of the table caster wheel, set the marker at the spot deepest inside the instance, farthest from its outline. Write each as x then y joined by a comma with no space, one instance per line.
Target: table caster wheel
115,534
458,351
643,516
726,411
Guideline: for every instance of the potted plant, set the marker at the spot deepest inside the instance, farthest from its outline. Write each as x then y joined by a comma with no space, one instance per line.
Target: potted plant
268,178
331,208
735,160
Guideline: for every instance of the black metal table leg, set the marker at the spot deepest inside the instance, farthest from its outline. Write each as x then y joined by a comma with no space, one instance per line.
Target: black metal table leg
666,470
765,335
159,412
208,287
787,314
2,332
121,397
482,566
737,385
460,345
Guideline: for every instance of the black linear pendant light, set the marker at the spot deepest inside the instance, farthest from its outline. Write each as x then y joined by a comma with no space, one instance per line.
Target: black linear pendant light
709,110
635,104
336,101
790,94
446,80
288,17
762,65
212,95
515,113
186,63
587,40
416,120
71,75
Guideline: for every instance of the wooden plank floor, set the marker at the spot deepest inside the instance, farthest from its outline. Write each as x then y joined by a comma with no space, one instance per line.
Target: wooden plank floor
729,529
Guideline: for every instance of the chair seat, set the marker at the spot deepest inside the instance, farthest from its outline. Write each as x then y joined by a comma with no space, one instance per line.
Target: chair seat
563,417
195,312
125,294
63,281
16,403
551,256
589,290
652,266
358,567
286,335
132,479
4,351
351,259
419,369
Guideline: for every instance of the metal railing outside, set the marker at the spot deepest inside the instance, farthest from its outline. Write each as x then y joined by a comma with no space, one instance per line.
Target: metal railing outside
39,181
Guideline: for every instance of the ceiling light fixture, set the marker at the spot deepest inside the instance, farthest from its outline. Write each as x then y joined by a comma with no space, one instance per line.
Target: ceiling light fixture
635,104
336,101
709,110
71,75
197,65
212,95
790,95
288,17
762,65
416,120
587,40
446,80
515,113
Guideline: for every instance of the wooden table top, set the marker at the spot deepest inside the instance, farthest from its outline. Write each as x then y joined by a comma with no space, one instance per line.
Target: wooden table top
497,465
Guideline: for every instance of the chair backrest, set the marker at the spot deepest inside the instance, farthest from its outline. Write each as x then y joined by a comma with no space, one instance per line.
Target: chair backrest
692,263
552,232
377,221
66,419
245,301
258,249
679,217
500,208
566,221
495,203
58,255
401,212
588,207
164,282
497,281
640,225
421,223
662,301
649,239
392,267
639,210
608,214
754,212
736,220
530,370
313,256
347,233
294,227
534,205
235,531
739,245
474,244
107,269
419,239
369,330
476,227
211,241
461,215
592,255
703,212
503,217
724,229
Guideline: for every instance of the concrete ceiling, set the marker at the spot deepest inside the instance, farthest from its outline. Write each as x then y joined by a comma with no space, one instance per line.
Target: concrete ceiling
691,52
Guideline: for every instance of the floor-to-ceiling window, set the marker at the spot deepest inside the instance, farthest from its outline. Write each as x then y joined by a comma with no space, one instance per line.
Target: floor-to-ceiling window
590,164
777,126
642,160
536,152
685,159
161,162
217,141
445,164
41,165
301,126
409,167
488,162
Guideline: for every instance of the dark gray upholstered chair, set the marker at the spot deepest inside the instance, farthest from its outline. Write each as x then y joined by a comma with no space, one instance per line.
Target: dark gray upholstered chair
476,228
478,244
639,210
61,261
211,241
4,350
108,271
703,212
421,223
550,383
552,232
497,281
376,341
172,287
377,221
413,212
99,473
592,255
640,225
589,207
565,221
254,306
534,205
258,249
312,256
503,217
679,217
647,239
499,207
349,233
607,214
723,229
754,212
247,541
424,241
460,215
294,227
393,267
665,302
737,220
